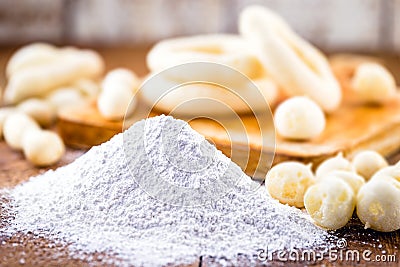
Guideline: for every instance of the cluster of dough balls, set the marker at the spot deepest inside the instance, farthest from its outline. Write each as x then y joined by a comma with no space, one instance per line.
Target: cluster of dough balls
338,187
41,80
40,147
21,128
38,69
331,201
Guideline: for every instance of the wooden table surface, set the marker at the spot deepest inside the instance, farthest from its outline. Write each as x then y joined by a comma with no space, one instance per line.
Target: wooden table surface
27,250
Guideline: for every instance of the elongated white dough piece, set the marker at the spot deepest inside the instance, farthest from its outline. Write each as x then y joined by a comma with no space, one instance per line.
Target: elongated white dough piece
230,50
330,203
208,99
117,96
70,65
206,88
42,147
297,66
378,204
29,56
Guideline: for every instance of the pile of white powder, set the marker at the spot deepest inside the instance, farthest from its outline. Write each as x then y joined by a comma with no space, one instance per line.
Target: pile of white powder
96,205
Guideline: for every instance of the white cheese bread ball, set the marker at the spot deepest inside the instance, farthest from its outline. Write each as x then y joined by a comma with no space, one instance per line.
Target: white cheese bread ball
288,181
332,164
368,162
354,180
378,204
15,127
117,94
373,83
115,105
299,118
42,147
330,203
120,76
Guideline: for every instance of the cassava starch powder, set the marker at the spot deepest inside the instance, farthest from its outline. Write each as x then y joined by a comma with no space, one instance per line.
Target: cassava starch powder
96,205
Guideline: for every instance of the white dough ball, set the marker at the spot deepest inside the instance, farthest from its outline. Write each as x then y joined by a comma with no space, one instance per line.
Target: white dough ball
118,89
330,203
122,77
332,164
378,204
114,105
299,118
368,162
354,180
288,181
373,83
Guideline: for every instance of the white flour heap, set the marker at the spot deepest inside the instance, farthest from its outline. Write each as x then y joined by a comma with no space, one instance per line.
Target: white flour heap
96,205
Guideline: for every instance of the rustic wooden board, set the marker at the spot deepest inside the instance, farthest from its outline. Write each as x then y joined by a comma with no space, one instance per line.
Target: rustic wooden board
84,127
349,129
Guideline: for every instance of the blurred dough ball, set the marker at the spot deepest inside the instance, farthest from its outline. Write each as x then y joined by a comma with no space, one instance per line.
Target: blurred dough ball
299,118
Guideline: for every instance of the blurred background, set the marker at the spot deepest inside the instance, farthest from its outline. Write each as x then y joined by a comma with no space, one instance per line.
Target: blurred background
337,25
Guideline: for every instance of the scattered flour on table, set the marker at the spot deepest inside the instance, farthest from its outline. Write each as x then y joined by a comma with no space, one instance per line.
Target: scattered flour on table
96,205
